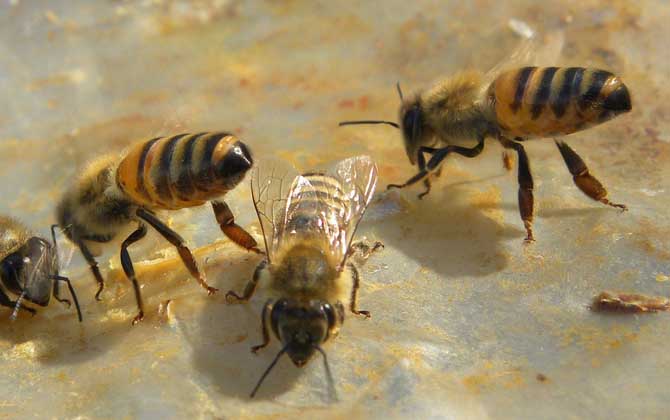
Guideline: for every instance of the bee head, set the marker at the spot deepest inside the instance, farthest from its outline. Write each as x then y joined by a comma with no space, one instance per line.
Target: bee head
29,270
303,327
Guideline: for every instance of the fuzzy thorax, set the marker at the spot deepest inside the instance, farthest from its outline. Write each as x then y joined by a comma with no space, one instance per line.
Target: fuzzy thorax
305,270
453,110
94,207
12,235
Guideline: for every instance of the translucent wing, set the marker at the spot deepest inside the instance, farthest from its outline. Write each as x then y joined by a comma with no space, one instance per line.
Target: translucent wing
329,205
533,49
271,181
359,178
66,251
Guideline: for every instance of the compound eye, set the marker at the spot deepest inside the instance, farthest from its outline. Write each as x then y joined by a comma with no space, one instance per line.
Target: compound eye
410,123
277,310
330,314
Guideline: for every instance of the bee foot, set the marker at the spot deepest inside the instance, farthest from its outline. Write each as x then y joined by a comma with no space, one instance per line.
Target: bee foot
232,297
365,314
139,317
65,302
529,240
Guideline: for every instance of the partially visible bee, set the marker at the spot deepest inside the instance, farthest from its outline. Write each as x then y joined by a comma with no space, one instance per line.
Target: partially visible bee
308,224
29,268
164,173
519,104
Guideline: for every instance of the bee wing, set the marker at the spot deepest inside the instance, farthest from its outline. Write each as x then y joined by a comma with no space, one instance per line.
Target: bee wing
271,181
338,206
288,203
533,49
358,178
65,253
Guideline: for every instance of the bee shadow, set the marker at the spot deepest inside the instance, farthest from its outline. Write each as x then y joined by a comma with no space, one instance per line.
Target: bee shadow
221,336
55,337
445,232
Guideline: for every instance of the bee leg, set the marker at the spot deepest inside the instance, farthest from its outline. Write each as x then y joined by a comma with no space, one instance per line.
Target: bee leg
93,264
583,178
421,160
525,179
267,308
363,250
428,185
127,265
507,160
427,182
66,280
354,292
6,301
250,288
179,243
224,216
434,163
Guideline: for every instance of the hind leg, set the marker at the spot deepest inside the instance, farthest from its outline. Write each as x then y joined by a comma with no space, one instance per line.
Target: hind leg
224,216
582,177
525,179
178,242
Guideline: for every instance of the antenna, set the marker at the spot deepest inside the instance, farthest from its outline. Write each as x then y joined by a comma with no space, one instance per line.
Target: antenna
391,123
267,371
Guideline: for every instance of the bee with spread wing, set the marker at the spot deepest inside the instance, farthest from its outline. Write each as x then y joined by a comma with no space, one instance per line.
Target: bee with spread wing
308,224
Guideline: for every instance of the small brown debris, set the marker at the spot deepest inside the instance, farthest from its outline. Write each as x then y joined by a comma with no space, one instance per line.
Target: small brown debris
541,377
629,302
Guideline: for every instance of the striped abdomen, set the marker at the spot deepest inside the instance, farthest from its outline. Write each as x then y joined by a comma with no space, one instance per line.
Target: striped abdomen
317,204
545,101
184,170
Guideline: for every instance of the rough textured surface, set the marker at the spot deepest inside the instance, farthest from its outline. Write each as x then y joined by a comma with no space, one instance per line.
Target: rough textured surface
466,321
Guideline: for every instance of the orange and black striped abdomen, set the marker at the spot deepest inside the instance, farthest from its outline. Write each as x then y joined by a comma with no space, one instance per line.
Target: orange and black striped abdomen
184,170
546,101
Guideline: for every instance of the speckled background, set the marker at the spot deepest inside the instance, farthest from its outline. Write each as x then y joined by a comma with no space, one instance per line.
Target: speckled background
464,316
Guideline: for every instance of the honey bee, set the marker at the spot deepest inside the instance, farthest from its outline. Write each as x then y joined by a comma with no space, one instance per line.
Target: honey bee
308,224
516,105
29,268
164,173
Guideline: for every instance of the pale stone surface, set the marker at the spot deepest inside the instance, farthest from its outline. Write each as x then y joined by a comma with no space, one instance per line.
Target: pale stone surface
467,322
